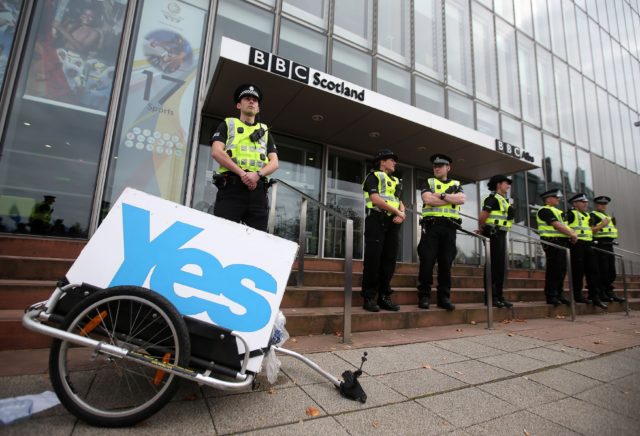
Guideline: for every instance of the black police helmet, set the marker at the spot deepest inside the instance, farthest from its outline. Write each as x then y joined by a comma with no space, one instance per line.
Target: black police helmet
247,90
385,153
498,178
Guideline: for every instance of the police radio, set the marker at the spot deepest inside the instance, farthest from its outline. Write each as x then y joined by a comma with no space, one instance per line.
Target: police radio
257,134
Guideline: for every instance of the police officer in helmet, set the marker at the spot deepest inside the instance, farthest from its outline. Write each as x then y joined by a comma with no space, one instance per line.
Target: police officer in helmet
496,219
247,154
441,198
605,234
385,214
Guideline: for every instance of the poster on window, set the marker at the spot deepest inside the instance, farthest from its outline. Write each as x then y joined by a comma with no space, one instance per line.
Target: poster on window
75,53
160,101
9,12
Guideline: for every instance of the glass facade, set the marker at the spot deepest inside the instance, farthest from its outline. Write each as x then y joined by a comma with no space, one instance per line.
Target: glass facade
558,77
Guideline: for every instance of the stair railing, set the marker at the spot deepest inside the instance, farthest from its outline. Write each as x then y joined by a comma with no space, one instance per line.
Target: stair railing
624,276
348,255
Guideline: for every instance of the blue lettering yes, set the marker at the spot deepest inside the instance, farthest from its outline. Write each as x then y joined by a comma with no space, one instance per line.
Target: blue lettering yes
171,266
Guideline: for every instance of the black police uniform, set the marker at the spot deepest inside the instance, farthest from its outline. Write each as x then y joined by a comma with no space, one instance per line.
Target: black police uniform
234,200
606,262
381,236
498,243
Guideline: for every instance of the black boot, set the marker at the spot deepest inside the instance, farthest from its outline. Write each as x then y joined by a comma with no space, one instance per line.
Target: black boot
580,299
386,304
446,304
614,297
423,302
600,304
506,303
370,305
564,301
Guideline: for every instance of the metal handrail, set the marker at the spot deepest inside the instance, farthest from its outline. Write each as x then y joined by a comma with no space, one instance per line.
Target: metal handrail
488,280
624,277
348,255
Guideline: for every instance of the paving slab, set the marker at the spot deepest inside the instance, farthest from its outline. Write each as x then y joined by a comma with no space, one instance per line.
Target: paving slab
312,427
549,356
631,381
407,418
328,397
514,362
467,348
522,392
242,412
520,423
473,372
32,384
603,342
566,330
466,407
301,374
606,368
624,401
564,381
262,384
586,418
505,342
420,382
633,353
571,350
61,425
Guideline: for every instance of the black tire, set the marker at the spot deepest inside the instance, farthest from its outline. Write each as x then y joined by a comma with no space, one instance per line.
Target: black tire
113,392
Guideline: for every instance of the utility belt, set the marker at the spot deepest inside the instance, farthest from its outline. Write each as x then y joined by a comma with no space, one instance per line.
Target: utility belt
370,211
230,178
440,221
557,241
494,230
604,241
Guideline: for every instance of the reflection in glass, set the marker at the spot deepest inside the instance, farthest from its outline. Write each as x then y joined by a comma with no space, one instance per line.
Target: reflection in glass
458,45
345,175
55,128
571,29
592,116
351,65
523,16
487,120
541,22
528,80
569,169
563,92
428,38
504,8
484,55
429,96
535,178
627,123
469,248
616,128
608,64
547,91
584,181
620,62
605,124
579,109
585,43
394,82
394,27
511,130
507,68
313,11
557,29
598,60
460,109
353,20
552,163
9,13
302,45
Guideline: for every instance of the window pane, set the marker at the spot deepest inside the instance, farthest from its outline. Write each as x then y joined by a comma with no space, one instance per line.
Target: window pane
541,22
557,28
627,126
547,93
569,169
242,22
579,109
394,27
571,29
528,80
552,161
302,45
585,44
616,128
504,8
8,21
511,130
524,19
605,124
609,69
428,39
488,121
460,109
351,65
429,96
622,64
55,126
563,93
592,116
484,55
154,126
353,20
508,68
584,179
312,11
598,61
394,82
535,178
458,44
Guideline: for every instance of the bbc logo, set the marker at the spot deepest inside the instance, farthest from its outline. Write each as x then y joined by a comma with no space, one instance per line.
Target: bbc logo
277,65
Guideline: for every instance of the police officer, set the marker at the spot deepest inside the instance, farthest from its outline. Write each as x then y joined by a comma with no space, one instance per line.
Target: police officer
247,154
441,198
605,234
496,219
385,213
552,228
583,259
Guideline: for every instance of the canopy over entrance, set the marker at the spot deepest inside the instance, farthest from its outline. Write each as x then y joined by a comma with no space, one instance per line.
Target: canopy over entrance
304,102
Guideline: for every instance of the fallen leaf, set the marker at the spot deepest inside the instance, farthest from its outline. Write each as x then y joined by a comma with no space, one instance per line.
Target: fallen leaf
459,372
339,334
426,366
191,397
375,423
560,316
472,323
563,350
271,391
597,342
519,320
510,334
312,411
458,330
526,433
294,340
637,332
505,321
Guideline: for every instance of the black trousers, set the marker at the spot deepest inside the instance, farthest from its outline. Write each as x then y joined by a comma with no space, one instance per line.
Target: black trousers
556,270
380,249
498,244
584,263
237,203
437,244
607,265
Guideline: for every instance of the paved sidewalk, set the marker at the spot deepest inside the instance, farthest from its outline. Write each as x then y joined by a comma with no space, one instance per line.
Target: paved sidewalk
544,376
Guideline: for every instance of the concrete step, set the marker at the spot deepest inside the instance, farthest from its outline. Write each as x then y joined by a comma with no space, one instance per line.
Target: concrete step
13,336
30,246
20,294
329,320
33,268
